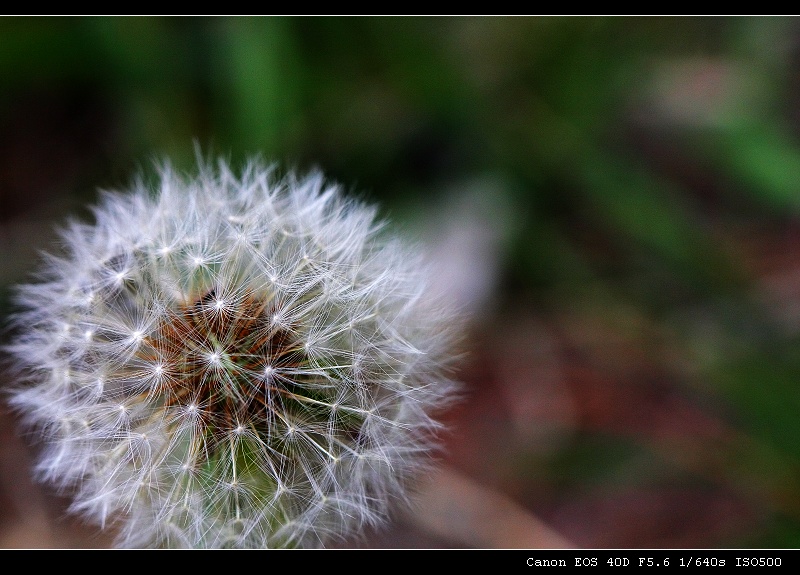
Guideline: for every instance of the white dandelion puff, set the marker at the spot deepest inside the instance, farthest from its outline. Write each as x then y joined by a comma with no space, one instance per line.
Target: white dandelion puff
233,361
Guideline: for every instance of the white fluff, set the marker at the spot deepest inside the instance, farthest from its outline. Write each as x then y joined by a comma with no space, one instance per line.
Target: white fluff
232,360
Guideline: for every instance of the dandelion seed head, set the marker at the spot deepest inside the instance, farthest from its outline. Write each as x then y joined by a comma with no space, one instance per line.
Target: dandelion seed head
233,361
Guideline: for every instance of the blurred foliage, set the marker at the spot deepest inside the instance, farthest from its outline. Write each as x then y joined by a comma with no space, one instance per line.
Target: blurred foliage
649,166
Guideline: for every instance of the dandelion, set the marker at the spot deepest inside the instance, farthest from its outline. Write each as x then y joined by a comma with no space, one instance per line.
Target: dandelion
232,361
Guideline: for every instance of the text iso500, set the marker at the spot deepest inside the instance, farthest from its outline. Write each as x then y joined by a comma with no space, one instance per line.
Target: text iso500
758,561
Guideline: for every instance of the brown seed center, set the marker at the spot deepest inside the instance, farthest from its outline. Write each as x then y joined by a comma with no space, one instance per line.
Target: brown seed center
224,362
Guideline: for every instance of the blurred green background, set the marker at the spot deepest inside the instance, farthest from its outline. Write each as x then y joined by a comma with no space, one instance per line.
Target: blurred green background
615,201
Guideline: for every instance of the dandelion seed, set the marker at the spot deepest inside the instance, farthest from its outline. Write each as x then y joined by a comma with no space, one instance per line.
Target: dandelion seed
233,361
